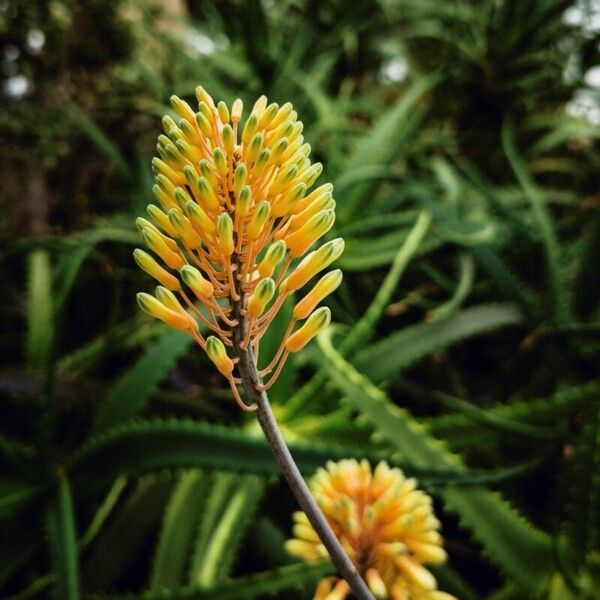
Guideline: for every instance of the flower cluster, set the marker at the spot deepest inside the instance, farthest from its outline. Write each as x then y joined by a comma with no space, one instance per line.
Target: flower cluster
386,526
233,226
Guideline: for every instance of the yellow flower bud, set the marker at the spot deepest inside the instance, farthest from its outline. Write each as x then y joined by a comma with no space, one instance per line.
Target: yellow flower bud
259,218
225,234
324,202
325,286
181,195
182,108
272,258
239,178
142,224
155,308
168,123
228,139
284,205
283,179
223,112
416,573
262,295
301,240
236,110
314,196
215,349
310,175
156,243
249,128
160,167
190,133
184,228
242,206
259,106
282,115
268,115
205,125
220,161
262,161
201,287
312,264
254,147
376,584
200,221
161,220
278,149
148,264
208,172
203,96
188,151
165,200
207,193
316,323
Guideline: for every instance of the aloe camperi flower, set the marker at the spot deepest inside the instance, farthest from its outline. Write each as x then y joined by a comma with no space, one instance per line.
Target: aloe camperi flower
232,222
386,526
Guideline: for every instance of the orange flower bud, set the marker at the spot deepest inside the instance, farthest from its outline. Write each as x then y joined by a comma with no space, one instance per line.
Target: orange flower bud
262,295
325,286
215,350
316,323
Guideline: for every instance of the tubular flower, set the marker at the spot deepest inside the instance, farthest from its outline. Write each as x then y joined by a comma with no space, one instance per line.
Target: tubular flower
233,227
385,524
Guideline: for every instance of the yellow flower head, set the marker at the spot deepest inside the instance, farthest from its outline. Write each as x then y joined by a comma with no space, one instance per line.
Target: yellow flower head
232,222
385,524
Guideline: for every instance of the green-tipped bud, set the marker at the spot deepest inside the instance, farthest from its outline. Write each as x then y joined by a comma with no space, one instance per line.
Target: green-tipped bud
157,244
312,174
317,226
242,206
316,323
201,287
325,286
207,193
168,123
150,266
283,179
200,221
223,112
282,115
165,199
208,172
254,147
182,108
259,218
278,149
185,231
215,349
155,308
289,199
268,115
228,139
225,234
312,264
239,178
273,256
220,161
262,295
249,128
159,218
204,124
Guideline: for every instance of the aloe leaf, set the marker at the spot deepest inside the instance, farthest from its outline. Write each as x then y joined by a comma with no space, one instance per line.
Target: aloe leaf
60,527
133,389
181,518
259,585
397,352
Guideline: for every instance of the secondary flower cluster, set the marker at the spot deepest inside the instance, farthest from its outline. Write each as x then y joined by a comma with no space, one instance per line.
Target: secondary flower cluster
232,227
386,526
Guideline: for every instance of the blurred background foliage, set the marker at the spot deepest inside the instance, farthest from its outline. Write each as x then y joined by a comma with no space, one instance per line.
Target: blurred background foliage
462,140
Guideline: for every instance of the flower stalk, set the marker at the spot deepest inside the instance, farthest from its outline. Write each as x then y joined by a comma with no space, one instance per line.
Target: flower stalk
252,384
